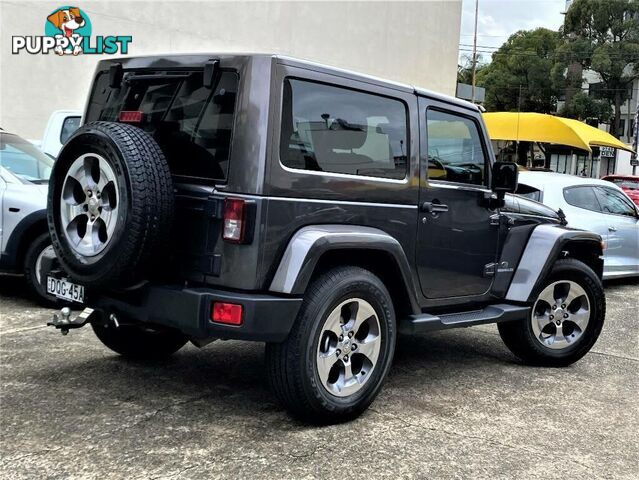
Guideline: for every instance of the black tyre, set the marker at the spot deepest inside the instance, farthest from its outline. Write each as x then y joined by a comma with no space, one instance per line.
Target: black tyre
111,204
37,262
336,357
139,342
566,319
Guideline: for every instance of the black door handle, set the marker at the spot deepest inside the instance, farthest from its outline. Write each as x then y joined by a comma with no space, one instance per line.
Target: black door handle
432,207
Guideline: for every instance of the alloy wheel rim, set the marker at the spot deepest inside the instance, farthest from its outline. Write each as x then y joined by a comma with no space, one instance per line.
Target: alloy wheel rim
561,314
47,252
89,204
349,347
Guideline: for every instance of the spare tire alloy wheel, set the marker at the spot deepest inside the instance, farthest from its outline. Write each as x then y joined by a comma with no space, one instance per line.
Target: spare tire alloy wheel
111,206
89,204
560,314
349,347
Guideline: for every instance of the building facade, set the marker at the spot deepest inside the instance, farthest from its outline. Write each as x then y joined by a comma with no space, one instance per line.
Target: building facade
412,42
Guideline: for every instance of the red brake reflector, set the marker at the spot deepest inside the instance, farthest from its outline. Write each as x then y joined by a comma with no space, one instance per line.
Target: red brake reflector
228,313
130,116
234,221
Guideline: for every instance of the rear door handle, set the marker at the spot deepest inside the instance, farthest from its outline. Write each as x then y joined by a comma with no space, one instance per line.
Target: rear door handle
431,207
612,229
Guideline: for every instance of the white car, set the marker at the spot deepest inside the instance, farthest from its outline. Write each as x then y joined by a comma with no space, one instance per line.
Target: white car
595,205
25,246
61,124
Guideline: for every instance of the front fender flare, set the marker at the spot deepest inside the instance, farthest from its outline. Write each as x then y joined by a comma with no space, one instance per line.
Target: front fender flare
309,243
544,247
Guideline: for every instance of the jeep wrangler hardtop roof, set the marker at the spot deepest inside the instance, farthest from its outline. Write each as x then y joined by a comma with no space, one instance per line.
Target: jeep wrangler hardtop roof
195,60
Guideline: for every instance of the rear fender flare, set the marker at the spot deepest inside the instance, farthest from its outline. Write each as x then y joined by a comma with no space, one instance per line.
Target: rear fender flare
308,244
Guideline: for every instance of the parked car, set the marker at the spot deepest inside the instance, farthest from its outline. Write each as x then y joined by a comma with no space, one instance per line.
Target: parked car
628,183
270,199
596,205
61,124
25,246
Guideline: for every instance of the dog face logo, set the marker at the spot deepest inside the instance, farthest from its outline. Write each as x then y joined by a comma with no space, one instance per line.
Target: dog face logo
67,21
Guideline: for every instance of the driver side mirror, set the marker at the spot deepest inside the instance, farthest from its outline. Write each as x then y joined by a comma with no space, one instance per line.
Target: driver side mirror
505,175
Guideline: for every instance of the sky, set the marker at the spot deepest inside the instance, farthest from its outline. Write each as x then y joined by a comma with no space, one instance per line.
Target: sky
498,19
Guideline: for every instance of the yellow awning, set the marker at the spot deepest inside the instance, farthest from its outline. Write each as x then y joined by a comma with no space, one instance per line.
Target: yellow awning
538,127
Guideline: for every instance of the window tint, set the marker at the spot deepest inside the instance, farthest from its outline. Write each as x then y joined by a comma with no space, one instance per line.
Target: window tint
455,151
582,197
193,124
614,202
69,126
332,129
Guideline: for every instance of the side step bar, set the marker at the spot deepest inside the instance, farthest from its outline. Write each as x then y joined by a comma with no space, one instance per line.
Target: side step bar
491,314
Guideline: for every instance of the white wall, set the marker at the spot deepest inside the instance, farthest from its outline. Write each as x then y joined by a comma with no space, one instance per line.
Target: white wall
413,42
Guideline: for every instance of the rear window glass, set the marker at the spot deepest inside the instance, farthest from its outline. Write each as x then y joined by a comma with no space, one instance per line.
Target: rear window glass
192,124
629,183
582,197
332,129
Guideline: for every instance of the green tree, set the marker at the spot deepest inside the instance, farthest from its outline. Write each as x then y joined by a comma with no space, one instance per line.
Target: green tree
603,36
519,76
583,107
465,68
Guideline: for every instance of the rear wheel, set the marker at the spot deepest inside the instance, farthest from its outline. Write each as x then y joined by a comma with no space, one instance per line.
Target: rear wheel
140,342
334,361
565,321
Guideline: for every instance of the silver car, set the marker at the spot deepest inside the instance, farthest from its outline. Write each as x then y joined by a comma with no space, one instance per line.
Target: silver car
594,205
25,246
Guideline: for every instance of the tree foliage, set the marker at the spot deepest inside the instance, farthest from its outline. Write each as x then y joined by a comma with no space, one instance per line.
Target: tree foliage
583,107
465,68
519,76
602,36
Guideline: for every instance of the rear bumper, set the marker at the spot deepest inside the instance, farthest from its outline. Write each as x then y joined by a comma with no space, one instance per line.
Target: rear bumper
266,318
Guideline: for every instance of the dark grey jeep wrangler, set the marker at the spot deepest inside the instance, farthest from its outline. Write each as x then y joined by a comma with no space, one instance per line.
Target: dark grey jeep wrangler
323,212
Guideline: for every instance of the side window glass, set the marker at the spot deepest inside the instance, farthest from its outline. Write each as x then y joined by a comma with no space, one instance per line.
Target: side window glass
582,197
615,203
69,126
455,152
333,129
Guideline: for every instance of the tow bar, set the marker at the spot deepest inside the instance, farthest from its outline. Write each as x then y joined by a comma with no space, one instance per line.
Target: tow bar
63,322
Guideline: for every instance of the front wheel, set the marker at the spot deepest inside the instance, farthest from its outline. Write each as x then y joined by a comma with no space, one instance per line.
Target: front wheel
566,318
335,359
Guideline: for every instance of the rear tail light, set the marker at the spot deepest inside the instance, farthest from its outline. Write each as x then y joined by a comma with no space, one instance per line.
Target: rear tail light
227,313
130,116
234,220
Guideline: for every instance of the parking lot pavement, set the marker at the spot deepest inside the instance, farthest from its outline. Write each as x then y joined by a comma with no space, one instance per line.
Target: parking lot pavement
456,404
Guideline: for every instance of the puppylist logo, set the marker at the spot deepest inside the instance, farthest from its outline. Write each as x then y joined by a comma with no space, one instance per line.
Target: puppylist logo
67,31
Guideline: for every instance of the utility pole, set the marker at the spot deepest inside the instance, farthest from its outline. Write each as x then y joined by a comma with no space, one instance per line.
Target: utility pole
635,143
475,50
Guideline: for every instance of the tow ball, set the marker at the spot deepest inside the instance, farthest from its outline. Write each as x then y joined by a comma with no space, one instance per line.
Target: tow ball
64,323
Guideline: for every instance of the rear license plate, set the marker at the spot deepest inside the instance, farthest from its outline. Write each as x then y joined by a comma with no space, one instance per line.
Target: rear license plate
63,288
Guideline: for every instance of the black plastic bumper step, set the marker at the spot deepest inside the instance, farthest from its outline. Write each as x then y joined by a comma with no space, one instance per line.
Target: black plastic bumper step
491,314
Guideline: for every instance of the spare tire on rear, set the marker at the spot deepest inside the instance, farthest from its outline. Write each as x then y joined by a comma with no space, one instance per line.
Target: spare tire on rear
111,204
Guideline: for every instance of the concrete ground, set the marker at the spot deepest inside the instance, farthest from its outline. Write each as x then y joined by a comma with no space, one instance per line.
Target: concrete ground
456,405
